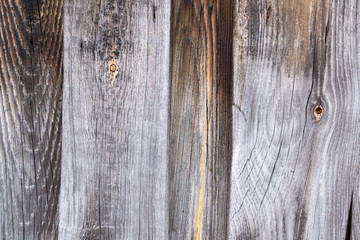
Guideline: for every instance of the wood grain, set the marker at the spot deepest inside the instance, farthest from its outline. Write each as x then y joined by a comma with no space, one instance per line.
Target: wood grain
293,177
114,159
30,118
200,119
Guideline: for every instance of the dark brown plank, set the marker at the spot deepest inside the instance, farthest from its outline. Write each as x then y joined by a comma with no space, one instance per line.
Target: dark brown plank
115,119
30,118
294,175
200,119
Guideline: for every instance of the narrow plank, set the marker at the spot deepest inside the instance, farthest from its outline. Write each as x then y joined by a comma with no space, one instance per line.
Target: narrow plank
295,176
30,118
116,83
200,119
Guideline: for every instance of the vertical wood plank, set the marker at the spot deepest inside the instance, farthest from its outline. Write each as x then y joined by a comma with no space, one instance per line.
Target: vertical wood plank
294,177
200,119
30,118
116,67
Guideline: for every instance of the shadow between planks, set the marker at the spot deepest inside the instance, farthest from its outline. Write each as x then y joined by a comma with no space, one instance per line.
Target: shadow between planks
152,109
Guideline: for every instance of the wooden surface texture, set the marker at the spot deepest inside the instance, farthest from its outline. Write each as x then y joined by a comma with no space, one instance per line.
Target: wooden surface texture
294,177
30,118
183,119
200,119
116,81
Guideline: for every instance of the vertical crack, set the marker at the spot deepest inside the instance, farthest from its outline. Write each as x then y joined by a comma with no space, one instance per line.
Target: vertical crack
348,228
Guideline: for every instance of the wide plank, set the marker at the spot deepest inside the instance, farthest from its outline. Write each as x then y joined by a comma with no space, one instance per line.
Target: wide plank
116,84
295,169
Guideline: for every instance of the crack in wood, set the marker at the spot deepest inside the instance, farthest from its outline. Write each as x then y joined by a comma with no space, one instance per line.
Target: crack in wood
349,221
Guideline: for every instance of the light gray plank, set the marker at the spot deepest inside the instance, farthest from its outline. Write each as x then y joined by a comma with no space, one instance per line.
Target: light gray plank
293,177
30,118
114,159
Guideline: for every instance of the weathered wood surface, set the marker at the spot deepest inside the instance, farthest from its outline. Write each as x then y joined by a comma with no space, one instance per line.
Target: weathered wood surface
200,119
30,118
115,123
293,177
164,137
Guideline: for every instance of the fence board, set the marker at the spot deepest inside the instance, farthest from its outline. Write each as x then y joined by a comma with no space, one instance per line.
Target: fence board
295,176
116,67
200,119
30,118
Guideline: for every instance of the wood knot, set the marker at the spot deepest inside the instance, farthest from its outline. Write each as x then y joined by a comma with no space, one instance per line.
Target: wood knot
113,67
318,112
113,70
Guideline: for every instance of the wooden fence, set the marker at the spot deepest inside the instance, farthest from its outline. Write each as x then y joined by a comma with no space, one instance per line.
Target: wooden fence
183,119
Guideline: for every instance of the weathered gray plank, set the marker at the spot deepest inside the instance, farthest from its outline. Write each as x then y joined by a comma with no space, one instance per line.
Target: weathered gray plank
115,123
200,119
30,118
294,177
